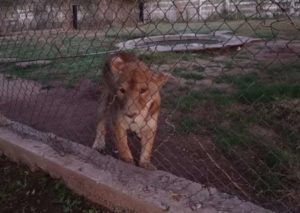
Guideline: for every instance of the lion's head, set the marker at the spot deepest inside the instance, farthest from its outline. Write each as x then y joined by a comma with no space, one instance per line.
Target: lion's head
135,85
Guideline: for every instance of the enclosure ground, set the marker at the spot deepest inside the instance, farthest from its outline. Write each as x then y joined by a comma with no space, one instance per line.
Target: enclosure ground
215,125
230,119
24,191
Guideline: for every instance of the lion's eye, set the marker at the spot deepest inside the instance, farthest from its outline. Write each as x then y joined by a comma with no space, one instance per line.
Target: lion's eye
122,90
143,90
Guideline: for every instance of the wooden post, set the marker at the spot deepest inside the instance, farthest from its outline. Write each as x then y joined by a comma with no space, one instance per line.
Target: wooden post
75,16
141,10
226,6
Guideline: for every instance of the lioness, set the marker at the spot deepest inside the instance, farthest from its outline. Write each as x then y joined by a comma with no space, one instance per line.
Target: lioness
130,100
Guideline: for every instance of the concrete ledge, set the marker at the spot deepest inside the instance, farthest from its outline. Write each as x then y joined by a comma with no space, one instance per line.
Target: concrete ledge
219,39
115,184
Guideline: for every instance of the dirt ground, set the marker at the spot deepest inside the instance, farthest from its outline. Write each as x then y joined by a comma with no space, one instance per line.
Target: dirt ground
71,113
23,191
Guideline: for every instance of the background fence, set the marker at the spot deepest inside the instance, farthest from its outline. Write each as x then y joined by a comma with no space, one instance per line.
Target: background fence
199,10
230,116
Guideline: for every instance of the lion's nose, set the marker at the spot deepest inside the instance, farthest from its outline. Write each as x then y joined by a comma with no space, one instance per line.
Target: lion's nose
131,115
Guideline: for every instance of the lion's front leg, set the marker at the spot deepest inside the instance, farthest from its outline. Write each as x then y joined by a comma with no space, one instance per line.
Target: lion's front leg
147,140
120,134
99,143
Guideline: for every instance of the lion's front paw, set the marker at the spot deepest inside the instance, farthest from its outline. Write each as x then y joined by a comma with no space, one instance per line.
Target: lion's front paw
129,161
99,145
147,165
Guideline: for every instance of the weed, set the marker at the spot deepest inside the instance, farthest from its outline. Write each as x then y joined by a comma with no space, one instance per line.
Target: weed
274,159
69,202
269,183
240,81
198,68
186,74
192,76
226,138
285,73
253,89
268,36
189,125
68,71
282,120
158,57
69,205
24,191
90,211
229,64
276,166
189,101
268,92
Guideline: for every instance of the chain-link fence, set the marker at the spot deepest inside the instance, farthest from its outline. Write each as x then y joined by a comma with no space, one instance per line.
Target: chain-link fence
228,73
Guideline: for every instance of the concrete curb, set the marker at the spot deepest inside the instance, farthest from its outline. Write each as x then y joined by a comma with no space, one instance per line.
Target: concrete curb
117,185
225,39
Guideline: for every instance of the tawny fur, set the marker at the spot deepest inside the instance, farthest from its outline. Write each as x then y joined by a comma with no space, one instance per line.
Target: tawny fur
130,100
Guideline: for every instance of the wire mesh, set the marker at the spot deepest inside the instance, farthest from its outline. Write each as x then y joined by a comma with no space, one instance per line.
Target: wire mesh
229,113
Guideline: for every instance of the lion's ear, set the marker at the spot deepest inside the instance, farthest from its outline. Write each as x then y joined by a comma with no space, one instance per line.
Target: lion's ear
116,65
160,79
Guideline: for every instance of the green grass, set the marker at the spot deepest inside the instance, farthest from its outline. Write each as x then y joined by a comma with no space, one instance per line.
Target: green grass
165,57
261,28
268,36
265,99
274,165
229,64
292,137
68,70
259,92
189,122
275,158
159,57
283,120
198,68
194,97
278,171
191,76
238,80
68,202
160,28
227,139
60,50
284,72
278,83
263,92
60,46
186,74
189,101
189,125
24,191
63,45
28,50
